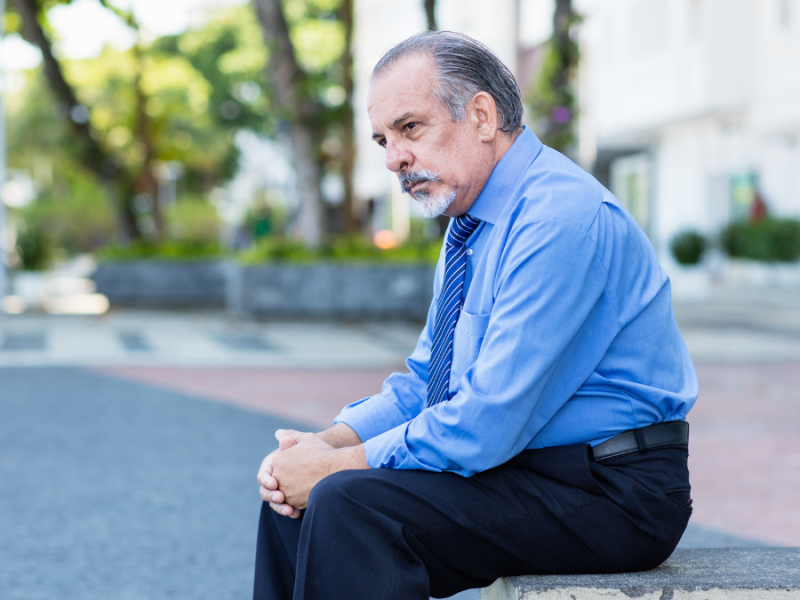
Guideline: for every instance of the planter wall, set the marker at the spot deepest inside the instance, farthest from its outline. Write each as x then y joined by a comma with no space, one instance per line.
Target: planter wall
336,290
162,284
320,290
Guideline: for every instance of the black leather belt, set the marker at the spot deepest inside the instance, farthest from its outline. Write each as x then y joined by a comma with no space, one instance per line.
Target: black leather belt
642,440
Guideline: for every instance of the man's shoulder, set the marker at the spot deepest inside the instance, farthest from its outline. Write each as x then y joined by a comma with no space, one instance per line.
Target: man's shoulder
554,189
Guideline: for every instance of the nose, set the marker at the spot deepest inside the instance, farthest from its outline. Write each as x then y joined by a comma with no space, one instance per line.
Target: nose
398,157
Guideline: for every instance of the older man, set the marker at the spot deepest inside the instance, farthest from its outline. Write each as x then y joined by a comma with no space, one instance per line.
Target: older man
540,426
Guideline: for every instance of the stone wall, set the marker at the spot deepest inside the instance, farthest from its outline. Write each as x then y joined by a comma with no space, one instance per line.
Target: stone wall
318,290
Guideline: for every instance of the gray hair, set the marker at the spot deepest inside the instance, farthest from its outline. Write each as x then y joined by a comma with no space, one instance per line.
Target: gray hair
463,67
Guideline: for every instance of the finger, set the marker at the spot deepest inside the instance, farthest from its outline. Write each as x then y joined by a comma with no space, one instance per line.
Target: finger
267,480
266,495
282,433
272,496
287,442
292,434
284,509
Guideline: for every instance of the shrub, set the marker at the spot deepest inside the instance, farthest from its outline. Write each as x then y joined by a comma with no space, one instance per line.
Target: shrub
75,216
341,249
768,240
35,248
688,246
171,250
193,220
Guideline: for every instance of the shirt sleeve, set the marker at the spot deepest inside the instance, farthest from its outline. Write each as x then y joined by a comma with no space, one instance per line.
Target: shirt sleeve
403,395
535,354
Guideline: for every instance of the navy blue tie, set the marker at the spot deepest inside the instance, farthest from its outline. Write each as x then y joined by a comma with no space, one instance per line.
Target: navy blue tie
448,307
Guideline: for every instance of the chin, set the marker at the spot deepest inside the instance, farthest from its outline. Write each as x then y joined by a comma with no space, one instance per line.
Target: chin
433,205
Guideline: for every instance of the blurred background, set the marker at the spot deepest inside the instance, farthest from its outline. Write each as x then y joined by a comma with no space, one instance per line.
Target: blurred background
200,243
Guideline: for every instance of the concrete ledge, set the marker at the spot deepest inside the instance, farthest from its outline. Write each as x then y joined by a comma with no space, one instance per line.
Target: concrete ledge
689,574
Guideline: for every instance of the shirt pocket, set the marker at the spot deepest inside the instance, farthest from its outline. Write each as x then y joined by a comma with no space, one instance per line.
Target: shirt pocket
467,340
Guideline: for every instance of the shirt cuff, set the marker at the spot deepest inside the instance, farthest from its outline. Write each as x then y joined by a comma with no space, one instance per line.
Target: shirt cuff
389,450
371,416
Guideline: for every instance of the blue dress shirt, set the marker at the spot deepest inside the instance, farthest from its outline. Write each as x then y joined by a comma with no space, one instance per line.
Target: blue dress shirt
566,333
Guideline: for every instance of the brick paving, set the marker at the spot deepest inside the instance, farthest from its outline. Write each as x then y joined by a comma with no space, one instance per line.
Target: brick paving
311,396
745,449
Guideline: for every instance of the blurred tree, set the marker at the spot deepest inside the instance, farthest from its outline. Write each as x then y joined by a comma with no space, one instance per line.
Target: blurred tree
133,111
345,15
125,114
552,97
87,148
309,69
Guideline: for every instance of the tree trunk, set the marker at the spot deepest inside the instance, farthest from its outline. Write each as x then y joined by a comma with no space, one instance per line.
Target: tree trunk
430,14
145,181
90,153
348,134
287,78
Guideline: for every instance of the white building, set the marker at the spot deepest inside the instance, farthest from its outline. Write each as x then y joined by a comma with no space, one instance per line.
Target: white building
690,107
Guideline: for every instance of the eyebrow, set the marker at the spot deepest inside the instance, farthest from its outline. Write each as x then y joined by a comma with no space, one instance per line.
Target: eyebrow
395,124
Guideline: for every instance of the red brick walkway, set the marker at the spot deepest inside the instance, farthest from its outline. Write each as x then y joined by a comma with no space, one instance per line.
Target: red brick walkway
310,396
745,450
745,436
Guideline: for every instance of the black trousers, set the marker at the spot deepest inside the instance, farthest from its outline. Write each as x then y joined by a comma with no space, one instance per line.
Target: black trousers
391,534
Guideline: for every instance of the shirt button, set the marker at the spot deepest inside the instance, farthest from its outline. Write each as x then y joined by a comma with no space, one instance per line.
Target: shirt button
469,251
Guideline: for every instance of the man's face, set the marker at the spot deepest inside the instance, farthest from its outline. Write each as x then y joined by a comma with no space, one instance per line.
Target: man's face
439,162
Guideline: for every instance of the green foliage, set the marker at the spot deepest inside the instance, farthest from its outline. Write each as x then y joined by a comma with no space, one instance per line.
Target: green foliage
688,246
343,249
71,213
34,127
193,220
551,97
768,240
199,88
170,250
35,249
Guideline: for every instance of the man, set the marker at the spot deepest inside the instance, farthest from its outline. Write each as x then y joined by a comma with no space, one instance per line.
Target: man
540,427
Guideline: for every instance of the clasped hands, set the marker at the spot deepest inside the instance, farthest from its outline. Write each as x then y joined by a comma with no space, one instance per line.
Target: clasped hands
302,460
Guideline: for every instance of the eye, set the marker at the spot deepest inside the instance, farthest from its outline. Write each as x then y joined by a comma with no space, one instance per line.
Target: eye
410,126
381,142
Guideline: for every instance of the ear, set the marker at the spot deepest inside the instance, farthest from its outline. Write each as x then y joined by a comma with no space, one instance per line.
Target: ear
484,116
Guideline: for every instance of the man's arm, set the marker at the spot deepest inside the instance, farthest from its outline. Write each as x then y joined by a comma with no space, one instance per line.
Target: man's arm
340,435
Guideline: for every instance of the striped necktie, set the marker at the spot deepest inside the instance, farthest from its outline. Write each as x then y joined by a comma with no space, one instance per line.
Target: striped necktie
448,307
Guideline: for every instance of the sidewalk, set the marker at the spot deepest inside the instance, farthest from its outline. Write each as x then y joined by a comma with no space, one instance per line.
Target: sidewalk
743,325
199,339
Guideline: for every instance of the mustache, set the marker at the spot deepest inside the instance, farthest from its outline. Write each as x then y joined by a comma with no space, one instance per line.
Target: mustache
409,178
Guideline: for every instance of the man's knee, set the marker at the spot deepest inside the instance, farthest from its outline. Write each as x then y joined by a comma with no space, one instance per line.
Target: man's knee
344,487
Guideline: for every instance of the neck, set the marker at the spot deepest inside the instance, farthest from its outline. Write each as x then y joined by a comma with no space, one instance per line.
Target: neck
504,143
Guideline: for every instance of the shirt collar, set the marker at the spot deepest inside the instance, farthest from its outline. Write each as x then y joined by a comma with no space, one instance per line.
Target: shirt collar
505,177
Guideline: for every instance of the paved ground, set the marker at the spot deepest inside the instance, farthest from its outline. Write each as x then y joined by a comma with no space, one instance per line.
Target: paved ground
129,443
